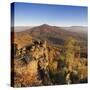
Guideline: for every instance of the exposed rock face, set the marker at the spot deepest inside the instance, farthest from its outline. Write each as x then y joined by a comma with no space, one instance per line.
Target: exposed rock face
31,59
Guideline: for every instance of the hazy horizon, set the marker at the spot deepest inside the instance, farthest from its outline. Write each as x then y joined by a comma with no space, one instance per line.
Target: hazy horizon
51,25
23,28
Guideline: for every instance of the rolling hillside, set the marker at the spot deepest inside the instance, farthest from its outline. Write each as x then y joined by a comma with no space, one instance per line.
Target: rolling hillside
57,35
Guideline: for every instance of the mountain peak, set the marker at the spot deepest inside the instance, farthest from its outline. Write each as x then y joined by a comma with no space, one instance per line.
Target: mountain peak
45,25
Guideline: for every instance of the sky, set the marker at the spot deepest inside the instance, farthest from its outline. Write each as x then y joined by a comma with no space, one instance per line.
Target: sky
30,14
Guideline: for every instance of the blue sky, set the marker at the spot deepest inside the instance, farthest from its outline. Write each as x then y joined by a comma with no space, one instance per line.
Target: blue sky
29,14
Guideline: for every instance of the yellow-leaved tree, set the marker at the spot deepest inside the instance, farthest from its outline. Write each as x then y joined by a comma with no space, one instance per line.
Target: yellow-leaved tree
71,47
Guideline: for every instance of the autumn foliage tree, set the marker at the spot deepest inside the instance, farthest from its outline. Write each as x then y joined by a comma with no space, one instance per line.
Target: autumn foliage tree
71,46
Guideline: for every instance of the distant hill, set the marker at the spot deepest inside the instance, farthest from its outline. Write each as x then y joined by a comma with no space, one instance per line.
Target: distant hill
79,29
57,35
22,39
21,28
53,34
